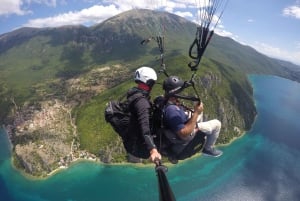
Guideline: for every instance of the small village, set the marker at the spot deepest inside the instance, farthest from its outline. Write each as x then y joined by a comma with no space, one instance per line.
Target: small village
46,134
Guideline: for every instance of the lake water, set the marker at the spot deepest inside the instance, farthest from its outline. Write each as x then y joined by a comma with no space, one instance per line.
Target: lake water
262,165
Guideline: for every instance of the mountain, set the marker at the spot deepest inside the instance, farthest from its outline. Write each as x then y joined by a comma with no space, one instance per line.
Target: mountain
55,83
248,59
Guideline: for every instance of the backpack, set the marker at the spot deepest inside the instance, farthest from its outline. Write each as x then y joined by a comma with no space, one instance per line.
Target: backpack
157,114
158,129
117,112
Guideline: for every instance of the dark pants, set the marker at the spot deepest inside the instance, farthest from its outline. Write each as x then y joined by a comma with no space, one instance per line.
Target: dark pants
193,147
136,148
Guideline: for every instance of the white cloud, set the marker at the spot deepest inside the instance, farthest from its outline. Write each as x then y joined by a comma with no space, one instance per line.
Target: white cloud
19,7
171,5
298,45
51,3
293,11
276,52
223,32
12,7
184,14
92,15
131,4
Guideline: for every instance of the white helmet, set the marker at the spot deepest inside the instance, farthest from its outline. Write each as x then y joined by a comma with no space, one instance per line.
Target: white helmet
145,75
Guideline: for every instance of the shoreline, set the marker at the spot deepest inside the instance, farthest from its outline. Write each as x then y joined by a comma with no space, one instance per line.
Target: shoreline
127,164
8,134
232,140
136,165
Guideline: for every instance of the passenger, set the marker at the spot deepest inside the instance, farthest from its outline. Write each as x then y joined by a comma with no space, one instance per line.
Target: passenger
188,133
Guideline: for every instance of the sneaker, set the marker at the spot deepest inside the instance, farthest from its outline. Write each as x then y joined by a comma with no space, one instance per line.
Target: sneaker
212,152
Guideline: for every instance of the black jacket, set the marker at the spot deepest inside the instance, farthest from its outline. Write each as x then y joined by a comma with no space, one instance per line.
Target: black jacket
139,138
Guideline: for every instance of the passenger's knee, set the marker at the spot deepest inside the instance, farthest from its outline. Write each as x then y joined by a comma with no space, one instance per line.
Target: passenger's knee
217,123
210,127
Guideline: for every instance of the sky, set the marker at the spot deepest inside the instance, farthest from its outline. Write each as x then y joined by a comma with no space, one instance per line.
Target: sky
272,27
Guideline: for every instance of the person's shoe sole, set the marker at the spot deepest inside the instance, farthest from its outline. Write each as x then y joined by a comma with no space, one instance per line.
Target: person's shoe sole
212,155
205,154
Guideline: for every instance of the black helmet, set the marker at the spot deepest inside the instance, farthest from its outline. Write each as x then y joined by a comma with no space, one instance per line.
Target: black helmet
173,85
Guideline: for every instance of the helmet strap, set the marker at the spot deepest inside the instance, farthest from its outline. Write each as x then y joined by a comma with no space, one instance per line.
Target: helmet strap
143,86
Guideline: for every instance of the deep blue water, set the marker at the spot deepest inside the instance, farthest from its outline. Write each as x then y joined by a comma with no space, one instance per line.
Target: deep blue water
262,165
